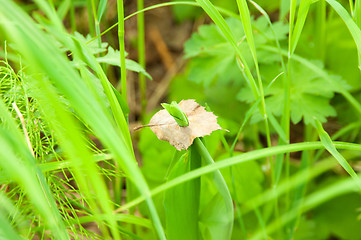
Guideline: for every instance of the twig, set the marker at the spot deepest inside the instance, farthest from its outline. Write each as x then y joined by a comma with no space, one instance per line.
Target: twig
24,127
161,47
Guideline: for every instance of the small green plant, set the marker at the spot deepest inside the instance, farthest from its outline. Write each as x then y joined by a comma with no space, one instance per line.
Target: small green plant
178,115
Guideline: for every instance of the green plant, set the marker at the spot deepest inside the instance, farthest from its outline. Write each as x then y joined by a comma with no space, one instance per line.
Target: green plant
279,74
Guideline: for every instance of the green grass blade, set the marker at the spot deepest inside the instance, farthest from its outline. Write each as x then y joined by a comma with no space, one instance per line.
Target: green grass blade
249,156
284,8
221,223
34,45
19,165
63,9
300,22
315,199
320,32
6,230
221,10
110,92
123,78
101,9
329,145
247,26
349,22
141,53
27,173
221,23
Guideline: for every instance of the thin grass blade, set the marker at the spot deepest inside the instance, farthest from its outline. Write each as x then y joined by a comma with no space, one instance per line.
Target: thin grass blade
327,142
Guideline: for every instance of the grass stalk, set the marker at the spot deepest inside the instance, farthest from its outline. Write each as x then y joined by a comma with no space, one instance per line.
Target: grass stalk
141,53
96,21
320,29
246,22
72,17
356,14
123,73
221,10
90,17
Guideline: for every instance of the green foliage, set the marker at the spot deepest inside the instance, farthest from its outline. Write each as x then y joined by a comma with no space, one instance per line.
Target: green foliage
184,12
249,172
310,95
213,58
339,216
179,116
286,61
110,56
156,159
182,202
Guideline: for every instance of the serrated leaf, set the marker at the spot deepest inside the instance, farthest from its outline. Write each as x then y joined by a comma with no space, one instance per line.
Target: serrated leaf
91,45
213,57
310,95
201,123
113,58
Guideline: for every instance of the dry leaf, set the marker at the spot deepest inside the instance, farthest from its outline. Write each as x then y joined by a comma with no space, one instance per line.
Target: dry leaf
201,123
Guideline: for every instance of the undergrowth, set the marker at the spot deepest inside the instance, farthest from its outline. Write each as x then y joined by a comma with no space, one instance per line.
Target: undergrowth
281,76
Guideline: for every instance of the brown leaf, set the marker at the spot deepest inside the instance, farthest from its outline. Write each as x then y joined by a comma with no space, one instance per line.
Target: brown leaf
201,123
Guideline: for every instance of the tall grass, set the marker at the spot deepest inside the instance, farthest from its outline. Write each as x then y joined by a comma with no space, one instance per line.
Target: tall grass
56,180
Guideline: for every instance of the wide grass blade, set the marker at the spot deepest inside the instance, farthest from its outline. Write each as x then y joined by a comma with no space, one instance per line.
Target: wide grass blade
218,217
6,230
182,202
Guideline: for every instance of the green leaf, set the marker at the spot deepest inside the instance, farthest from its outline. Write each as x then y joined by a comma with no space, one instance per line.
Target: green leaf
339,217
249,172
214,59
113,58
310,95
156,158
121,101
178,115
93,46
